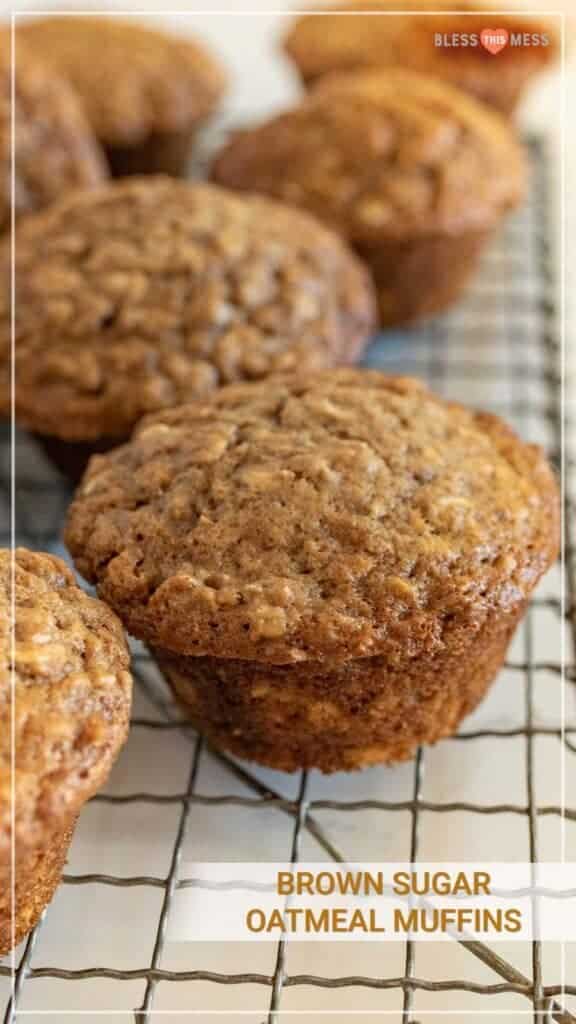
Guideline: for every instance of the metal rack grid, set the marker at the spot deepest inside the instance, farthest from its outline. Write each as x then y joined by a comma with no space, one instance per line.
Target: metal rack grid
517,287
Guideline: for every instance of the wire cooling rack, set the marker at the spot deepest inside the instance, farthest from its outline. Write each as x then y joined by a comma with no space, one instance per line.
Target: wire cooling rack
500,349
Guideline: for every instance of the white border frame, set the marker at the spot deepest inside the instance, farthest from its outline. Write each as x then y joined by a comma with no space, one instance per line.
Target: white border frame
560,248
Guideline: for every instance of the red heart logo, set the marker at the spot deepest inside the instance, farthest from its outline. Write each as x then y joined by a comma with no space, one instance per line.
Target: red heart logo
494,39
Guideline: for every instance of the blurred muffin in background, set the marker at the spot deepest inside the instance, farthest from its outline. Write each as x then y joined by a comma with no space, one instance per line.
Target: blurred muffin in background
55,150
145,93
148,292
415,174
448,46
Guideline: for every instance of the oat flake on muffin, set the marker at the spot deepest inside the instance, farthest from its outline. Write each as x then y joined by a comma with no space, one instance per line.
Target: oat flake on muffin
347,38
72,691
328,568
414,174
149,292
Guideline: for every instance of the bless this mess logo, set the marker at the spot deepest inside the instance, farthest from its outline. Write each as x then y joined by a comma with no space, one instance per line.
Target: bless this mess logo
494,40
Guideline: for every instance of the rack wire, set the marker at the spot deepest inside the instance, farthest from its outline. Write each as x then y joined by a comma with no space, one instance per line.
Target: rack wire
514,299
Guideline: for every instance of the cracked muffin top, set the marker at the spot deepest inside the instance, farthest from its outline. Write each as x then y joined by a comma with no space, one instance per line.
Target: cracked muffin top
150,292
342,39
72,690
133,80
55,150
340,515
383,154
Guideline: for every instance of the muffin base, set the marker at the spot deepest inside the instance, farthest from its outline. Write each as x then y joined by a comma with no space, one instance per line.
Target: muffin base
335,717
416,279
37,877
159,153
71,458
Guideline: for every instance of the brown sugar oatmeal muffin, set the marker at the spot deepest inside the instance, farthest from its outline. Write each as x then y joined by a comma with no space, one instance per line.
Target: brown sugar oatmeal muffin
413,173
55,150
72,690
342,39
145,93
150,292
328,568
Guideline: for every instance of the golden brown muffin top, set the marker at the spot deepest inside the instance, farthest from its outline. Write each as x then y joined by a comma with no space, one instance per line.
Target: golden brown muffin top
325,517
149,292
132,80
72,693
383,154
343,39
54,146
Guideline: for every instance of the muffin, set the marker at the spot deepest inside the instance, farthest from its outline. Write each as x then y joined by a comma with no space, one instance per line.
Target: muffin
328,567
55,150
150,292
72,692
145,93
344,40
413,173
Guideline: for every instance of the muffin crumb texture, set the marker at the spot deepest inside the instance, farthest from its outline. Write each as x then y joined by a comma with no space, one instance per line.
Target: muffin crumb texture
383,156
150,292
341,516
413,173
71,692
